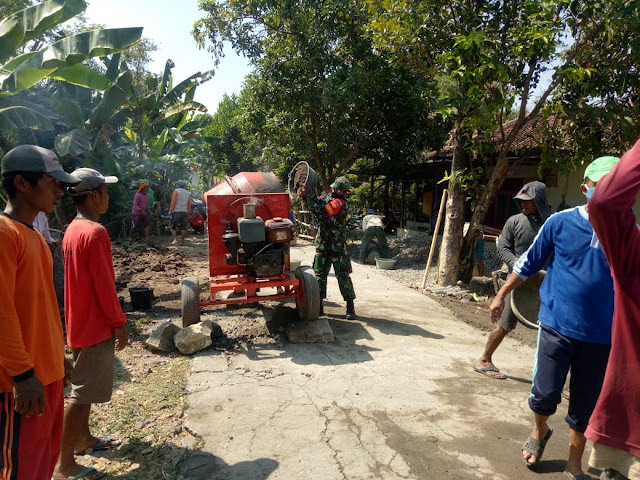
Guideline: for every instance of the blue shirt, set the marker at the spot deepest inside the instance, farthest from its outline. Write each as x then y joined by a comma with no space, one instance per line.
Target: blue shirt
576,296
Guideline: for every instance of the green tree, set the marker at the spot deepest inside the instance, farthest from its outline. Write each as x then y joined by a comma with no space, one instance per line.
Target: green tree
138,59
61,60
495,53
320,92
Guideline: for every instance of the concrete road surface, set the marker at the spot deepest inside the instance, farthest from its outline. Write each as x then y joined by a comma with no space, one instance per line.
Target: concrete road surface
394,397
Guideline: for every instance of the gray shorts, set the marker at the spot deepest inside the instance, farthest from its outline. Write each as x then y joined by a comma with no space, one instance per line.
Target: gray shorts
508,320
92,376
179,221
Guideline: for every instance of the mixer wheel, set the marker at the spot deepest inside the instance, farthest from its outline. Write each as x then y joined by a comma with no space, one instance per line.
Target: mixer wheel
308,299
190,301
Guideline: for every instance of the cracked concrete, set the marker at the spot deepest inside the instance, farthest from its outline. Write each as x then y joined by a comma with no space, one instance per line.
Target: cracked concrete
394,397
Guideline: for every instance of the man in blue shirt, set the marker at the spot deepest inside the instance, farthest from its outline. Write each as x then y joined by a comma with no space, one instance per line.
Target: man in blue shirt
575,321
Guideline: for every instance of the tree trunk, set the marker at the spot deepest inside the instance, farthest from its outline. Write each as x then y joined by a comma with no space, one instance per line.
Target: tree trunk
467,255
403,205
372,191
386,195
449,258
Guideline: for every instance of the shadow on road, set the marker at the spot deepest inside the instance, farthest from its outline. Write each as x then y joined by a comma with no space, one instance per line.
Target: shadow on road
204,466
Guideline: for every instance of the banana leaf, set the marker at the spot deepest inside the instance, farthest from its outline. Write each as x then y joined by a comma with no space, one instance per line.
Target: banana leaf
69,110
74,143
83,76
193,81
32,22
112,100
63,54
23,117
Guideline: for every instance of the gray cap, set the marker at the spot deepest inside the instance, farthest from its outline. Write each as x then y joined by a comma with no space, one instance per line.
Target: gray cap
524,194
90,180
30,158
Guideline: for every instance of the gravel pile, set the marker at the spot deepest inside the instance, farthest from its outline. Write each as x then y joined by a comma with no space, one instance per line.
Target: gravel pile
411,255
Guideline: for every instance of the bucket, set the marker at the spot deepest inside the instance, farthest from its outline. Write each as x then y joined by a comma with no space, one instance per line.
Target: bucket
141,298
385,263
302,175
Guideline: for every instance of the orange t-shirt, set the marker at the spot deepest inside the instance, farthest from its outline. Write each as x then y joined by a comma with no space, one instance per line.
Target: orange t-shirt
30,326
91,305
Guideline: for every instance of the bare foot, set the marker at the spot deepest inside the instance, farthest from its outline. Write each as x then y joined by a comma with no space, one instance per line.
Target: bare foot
174,242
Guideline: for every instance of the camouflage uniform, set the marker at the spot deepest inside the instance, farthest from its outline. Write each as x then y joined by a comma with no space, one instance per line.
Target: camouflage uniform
331,243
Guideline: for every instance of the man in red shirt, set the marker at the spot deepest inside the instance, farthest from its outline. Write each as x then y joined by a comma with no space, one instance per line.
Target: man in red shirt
614,426
32,365
94,319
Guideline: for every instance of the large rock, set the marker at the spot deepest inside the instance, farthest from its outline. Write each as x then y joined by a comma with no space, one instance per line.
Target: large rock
162,337
194,338
315,331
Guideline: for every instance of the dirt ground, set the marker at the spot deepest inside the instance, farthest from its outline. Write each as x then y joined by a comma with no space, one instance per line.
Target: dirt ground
146,411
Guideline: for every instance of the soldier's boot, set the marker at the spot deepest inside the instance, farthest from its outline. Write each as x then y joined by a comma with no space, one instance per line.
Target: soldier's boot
321,307
351,310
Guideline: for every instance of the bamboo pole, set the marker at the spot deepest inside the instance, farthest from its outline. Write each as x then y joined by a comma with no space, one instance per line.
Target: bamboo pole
434,239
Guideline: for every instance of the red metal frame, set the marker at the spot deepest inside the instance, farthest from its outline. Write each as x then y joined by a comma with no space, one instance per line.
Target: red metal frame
287,282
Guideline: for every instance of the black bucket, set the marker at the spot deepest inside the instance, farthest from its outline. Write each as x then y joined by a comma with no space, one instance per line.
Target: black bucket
141,298
302,175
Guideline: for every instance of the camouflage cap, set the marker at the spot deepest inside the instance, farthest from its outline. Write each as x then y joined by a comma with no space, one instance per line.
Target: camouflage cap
342,184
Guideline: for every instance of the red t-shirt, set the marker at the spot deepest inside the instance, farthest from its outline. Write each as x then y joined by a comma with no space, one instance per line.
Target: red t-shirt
196,220
91,304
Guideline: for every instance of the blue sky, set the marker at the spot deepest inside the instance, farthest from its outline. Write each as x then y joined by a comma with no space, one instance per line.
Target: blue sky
168,23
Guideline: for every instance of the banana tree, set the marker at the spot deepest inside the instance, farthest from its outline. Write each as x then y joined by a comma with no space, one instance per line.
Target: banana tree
61,60
164,124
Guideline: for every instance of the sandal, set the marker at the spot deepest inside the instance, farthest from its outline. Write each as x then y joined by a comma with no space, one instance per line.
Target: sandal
536,447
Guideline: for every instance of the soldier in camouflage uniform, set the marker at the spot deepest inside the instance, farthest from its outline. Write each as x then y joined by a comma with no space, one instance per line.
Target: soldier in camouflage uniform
331,241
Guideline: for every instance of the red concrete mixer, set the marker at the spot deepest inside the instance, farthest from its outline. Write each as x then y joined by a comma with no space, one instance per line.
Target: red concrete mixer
249,235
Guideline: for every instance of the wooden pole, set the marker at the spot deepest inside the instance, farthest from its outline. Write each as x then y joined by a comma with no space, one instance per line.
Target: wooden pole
434,239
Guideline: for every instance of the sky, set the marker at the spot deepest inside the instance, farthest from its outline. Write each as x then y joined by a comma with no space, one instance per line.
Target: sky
169,23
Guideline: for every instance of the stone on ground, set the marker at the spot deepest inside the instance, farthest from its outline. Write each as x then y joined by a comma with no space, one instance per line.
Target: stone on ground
162,337
314,331
194,338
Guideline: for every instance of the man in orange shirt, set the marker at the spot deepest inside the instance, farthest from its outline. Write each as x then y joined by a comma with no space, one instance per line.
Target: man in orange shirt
32,364
95,321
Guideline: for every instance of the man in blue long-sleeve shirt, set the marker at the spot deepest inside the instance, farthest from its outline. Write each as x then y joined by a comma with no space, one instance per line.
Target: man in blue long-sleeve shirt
575,321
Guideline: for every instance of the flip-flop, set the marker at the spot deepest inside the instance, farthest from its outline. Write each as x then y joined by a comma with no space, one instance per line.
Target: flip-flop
90,473
497,374
582,476
105,443
536,447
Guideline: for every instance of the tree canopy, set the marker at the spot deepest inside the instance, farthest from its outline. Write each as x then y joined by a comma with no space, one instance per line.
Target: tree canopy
322,91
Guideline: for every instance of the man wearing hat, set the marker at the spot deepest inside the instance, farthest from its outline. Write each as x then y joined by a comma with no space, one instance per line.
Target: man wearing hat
517,235
576,309
331,241
32,364
372,226
94,319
